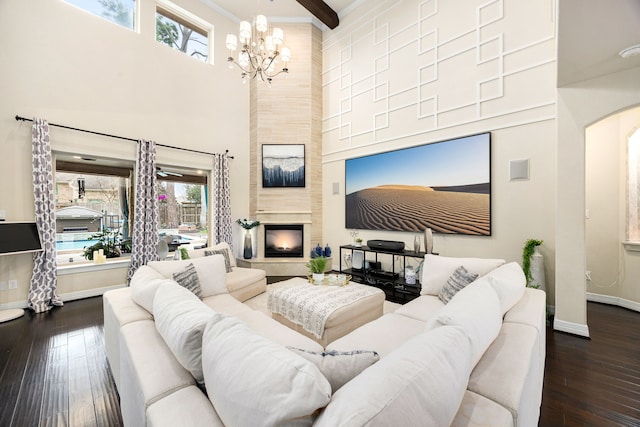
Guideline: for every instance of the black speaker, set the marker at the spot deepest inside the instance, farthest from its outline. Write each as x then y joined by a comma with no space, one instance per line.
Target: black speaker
386,245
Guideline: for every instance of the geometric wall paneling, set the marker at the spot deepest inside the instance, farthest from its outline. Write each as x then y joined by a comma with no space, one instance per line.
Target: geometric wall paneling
405,68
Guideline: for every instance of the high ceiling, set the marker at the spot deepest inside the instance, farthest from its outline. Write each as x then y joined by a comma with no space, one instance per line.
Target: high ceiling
591,34
278,10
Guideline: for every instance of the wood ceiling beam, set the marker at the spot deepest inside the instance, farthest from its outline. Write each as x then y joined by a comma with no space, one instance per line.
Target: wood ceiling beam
322,11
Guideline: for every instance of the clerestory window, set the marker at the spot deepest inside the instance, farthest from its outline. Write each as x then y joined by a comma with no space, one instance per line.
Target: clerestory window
183,31
121,12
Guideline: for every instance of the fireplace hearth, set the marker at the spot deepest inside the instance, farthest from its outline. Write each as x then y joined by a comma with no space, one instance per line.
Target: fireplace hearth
283,241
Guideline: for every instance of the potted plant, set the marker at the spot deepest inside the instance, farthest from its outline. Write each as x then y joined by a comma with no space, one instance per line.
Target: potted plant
528,251
317,266
107,240
248,224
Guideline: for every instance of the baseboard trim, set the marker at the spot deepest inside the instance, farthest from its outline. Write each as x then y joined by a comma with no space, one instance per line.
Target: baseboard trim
571,328
611,300
70,296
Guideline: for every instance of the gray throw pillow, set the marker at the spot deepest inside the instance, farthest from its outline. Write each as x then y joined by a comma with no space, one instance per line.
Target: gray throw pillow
188,279
339,367
458,280
224,253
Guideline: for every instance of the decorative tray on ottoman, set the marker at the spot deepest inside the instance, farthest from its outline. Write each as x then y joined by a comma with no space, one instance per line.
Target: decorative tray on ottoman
332,280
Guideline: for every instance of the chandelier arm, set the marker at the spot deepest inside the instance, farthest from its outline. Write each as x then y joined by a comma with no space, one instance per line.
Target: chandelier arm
241,67
275,55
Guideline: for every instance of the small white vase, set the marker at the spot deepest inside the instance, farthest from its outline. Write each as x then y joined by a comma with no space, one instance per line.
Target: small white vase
317,277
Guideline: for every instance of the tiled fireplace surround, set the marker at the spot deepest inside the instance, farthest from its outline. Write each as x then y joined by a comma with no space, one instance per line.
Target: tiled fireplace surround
281,266
290,112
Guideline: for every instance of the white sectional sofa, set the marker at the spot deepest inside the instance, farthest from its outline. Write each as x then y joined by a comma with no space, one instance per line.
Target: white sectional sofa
476,361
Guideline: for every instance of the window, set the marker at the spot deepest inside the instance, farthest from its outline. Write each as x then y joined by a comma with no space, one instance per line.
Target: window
121,12
633,182
92,210
182,207
183,31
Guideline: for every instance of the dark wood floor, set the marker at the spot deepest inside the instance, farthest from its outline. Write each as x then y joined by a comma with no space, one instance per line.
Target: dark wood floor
53,371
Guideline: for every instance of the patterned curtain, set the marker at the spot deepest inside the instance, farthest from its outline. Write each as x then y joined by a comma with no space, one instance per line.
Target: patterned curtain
42,289
145,209
221,200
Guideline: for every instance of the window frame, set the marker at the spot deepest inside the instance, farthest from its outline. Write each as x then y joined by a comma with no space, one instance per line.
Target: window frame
184,17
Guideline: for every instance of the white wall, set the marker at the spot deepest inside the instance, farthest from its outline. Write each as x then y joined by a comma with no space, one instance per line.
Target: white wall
405,73
579,106
72,68
614,270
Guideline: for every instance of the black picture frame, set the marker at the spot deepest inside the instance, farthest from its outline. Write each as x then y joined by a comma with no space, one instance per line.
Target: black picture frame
445,186
283,165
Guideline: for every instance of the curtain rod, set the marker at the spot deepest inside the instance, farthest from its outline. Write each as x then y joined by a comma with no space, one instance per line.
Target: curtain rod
24,119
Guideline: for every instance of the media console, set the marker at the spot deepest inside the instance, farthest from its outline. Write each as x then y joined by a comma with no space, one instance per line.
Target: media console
391,282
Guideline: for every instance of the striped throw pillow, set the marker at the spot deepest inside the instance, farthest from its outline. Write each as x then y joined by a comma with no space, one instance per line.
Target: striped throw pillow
458,280
188,279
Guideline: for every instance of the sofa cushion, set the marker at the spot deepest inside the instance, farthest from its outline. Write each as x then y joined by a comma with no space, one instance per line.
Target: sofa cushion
422,308
509,283
476,309
339,367
180,319
241,277
225,253
199,253
478,411
188,279
211,272
148,371
437,269
382,335
253,381
225,303
275,331
458,280
513,355
185,407
425,380
144,284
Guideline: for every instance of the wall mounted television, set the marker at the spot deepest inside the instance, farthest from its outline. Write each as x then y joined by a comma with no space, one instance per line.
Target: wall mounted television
445,186
19,237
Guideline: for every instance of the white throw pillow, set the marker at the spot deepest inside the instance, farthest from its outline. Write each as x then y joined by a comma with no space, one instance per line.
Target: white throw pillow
476,309
437,269
339,367
252,381
509,283
144,284
211,272
199,253
180,319
421,383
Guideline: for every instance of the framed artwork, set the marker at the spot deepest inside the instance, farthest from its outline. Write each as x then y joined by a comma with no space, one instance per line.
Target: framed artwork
443,186
283,165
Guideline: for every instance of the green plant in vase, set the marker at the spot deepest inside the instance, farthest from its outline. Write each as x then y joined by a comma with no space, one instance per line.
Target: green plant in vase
317,266
527,252
247,224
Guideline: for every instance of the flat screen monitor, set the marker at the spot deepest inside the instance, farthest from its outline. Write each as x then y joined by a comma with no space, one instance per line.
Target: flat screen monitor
19,237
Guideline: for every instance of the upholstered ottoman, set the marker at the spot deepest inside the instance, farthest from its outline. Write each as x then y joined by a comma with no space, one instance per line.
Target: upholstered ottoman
324,313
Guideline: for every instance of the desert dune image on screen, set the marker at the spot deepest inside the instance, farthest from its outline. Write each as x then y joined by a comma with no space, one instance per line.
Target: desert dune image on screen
445,186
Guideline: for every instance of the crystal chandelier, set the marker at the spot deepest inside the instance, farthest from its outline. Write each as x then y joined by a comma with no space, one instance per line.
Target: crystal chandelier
259,55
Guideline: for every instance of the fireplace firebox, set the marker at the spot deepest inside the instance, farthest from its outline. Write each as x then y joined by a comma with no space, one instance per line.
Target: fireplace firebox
283,241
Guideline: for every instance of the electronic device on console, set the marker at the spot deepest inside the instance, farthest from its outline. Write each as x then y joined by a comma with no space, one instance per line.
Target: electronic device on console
386,245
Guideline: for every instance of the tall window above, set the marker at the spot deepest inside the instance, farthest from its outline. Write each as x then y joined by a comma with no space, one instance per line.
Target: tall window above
183,31
121,12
